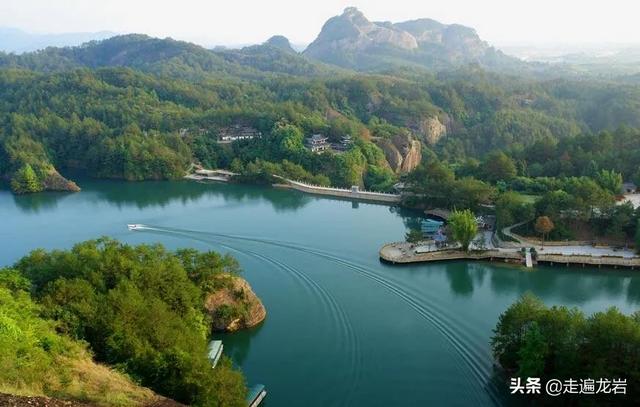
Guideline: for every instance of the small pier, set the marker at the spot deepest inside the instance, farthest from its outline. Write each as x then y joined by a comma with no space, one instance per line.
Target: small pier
211,175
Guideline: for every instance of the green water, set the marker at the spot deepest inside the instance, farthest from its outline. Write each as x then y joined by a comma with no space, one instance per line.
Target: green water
342,328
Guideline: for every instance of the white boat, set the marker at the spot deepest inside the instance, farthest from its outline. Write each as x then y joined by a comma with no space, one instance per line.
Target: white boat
134,226
215,351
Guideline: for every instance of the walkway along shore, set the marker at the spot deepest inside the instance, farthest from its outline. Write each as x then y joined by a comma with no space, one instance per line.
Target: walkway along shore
353,193
406,253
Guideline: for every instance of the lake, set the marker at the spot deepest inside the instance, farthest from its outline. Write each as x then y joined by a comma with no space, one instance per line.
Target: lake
342,328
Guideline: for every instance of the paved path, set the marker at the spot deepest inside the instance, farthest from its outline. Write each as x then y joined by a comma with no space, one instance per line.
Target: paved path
582,250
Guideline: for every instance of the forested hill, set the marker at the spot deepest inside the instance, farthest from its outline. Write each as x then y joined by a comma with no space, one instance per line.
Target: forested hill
168,57
136,107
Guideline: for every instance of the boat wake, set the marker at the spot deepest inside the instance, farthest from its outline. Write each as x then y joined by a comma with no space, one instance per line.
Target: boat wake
346,339
477,360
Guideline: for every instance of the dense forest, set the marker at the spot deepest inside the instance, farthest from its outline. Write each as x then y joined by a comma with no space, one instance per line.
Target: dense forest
457,138
533,340
139,309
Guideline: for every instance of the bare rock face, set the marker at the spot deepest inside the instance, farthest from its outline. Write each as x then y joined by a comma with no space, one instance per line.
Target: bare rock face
391,153
350,40
412,157
432,130
235,306
56,182
402,152
352,31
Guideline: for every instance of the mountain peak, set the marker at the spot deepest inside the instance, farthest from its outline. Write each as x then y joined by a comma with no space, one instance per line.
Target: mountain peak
354,14
280,42
351,40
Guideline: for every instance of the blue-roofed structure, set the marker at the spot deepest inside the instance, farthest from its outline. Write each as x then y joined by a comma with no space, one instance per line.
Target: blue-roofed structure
430,226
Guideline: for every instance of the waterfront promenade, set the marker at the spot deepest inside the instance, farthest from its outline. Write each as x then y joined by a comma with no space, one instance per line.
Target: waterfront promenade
421,252
353,193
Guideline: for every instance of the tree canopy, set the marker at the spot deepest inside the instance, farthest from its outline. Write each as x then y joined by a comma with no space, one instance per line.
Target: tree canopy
140,308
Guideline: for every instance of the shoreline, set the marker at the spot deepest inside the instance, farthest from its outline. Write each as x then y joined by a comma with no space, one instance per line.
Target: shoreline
397,254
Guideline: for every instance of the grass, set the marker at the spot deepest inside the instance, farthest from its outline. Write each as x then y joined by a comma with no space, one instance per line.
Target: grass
35,360
530,198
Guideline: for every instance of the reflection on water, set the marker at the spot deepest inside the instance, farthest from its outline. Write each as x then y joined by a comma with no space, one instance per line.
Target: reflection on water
342,328
150,193
238,349
34,203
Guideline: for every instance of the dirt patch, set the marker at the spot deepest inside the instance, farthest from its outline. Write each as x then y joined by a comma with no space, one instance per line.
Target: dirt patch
9,400
26,401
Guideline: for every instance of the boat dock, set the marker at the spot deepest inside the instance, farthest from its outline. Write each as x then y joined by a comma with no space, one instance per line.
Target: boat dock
256,394
211,175
528,260
215,352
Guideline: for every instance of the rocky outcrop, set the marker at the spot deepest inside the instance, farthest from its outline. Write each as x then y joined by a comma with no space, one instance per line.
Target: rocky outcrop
351,40
352,30
412,156
432,130
391,153
234,306
56,182
402,152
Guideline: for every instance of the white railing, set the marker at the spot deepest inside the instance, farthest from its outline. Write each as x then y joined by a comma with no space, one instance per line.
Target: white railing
347,190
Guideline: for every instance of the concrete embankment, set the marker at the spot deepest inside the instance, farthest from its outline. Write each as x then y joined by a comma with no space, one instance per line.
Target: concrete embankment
583,260
406,253
353,193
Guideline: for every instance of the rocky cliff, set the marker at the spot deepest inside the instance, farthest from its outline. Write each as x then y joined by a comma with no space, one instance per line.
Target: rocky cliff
402,152
235,306
56,182
431,130
352,41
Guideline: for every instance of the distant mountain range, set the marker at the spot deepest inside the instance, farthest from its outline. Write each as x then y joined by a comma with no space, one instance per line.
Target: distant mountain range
346,42
18,41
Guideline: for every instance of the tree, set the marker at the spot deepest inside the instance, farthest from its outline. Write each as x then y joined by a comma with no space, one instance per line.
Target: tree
414,236
25,181
610,180
533,352
141,308
497,166
533,340
544,225
512,208
463,227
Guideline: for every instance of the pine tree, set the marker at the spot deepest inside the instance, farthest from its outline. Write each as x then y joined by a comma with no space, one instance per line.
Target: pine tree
25,181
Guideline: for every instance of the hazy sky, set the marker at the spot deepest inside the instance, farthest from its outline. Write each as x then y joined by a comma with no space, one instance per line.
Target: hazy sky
242,21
